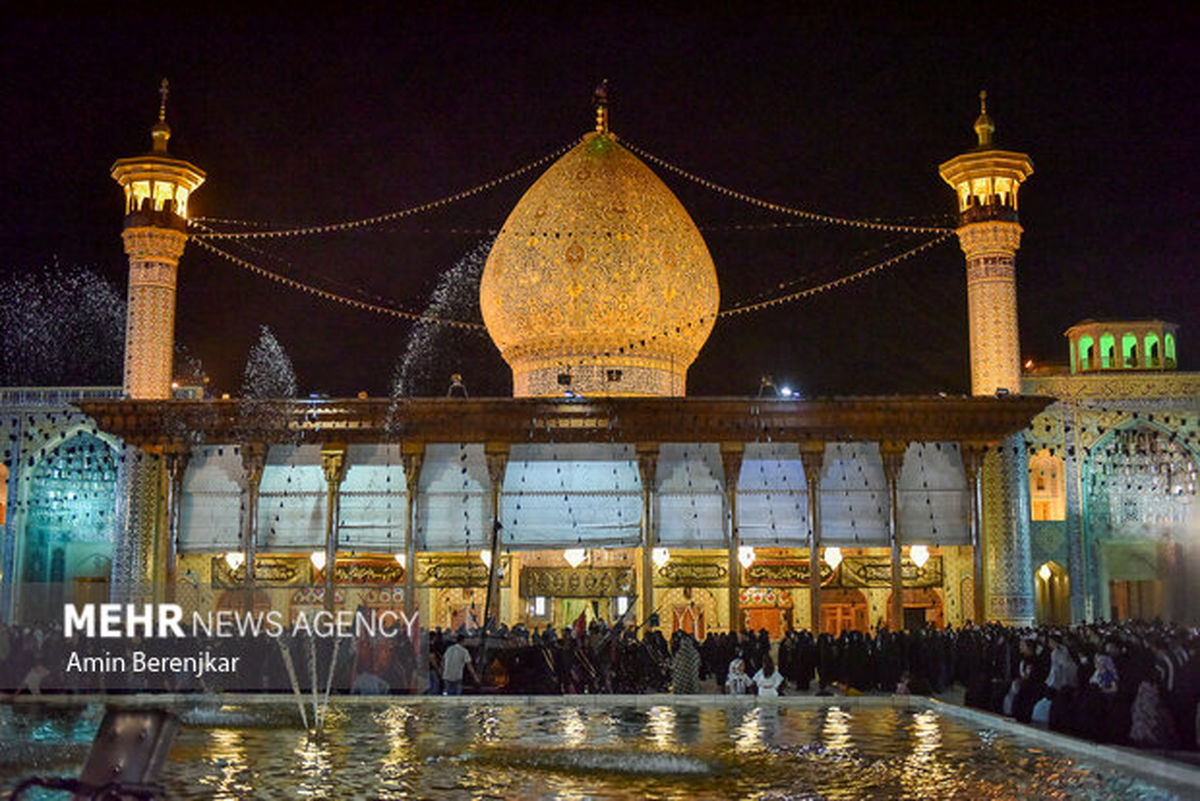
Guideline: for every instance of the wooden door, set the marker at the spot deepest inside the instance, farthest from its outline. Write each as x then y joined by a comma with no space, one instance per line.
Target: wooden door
836,618
765,617
689,618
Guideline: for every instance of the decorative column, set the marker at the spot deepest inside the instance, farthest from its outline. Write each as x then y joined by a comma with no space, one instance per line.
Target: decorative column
812,458
254,462
176,459
731,461
496,454
1005,489
972,459
986,181
515,612
156,195
413,454
647,459
892,454
1077,566
139,480
333,465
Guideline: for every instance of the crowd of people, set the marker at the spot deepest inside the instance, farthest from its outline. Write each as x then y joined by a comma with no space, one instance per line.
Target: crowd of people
1132,682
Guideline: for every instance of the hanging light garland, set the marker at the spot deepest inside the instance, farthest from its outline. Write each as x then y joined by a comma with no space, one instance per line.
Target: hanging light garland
367,222
878,225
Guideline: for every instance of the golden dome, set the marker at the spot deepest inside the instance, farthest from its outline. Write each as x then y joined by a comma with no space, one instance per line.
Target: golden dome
599,273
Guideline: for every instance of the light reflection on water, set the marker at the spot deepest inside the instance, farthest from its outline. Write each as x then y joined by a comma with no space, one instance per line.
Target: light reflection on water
836,732
228,755
661,722
567,752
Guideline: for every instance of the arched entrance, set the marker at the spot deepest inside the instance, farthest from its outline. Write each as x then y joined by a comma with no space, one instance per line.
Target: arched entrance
1053,595
843,610
766,608
1142,525
921,608
66,544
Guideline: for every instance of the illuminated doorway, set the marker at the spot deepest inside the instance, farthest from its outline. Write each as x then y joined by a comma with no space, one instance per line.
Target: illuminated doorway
1053,591
920,607
843,610
689,618
1135,600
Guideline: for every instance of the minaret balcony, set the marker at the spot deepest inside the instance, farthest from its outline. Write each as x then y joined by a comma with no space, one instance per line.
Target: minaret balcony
155,218
987,212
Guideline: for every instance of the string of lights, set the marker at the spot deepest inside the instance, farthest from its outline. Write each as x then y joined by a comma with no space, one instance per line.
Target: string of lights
403,314
367,222
203,222
290,267
874,224
779,300
808,278
333,296
836,282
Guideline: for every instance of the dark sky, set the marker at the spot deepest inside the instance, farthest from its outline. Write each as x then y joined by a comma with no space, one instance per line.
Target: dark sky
339,114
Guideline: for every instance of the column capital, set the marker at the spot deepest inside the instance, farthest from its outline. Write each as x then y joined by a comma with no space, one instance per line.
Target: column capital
647,462
176,457
891,452
412,456
333,462
496,454
731,462
254,460
812,459
972,458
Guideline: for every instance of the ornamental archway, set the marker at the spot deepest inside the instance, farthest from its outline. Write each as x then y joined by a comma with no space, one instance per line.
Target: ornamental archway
1142,524
66,541
922,607
843,610
1052,595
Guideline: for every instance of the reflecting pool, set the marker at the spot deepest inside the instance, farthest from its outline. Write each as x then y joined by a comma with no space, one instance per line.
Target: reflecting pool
565,751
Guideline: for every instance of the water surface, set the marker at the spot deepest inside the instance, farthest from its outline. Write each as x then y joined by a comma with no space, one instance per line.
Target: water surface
570,752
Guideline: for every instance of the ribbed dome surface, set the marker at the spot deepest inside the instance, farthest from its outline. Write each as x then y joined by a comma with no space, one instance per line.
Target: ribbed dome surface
599,272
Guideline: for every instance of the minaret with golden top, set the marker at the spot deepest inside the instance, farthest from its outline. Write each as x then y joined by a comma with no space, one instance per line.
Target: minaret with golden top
156,197
987,181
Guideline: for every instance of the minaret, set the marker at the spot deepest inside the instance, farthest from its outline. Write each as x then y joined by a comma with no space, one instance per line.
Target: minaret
156,196
987,180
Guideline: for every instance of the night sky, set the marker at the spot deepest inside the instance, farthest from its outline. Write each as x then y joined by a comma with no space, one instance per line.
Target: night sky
340,114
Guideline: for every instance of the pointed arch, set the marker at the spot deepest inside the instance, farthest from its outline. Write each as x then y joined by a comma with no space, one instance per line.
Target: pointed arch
1047,487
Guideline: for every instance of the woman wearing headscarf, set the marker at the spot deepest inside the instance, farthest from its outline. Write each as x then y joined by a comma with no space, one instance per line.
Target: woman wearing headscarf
685,667
767,679
738,683
1152,726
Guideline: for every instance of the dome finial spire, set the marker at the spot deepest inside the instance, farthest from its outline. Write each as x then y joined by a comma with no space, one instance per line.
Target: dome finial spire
164,89
161,132
600,101
984,127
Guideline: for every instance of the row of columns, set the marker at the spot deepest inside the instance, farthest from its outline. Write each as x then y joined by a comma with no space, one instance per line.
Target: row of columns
334,466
